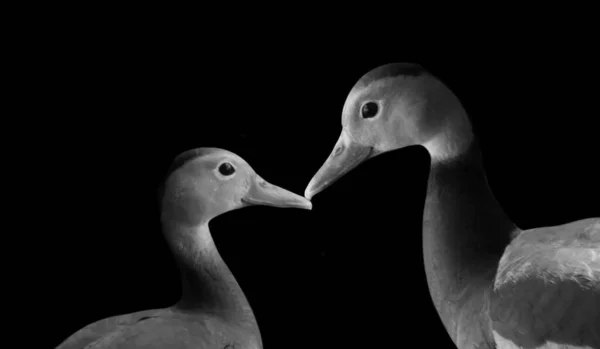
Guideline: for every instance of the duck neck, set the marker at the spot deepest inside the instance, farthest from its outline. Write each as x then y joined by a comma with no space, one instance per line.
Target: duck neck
465,230
208,286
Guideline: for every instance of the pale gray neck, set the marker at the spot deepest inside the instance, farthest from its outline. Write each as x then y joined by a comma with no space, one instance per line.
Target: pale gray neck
207,283
465,230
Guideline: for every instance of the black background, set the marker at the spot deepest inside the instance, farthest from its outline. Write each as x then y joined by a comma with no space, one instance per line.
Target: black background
116,109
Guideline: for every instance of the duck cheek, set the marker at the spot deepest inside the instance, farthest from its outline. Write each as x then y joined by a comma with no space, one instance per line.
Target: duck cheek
186,210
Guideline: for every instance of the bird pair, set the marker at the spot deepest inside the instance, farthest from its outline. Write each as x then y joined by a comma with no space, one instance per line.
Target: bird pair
541,290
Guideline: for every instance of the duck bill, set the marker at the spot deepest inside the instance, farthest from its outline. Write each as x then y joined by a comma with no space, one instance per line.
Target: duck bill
346,155
262,192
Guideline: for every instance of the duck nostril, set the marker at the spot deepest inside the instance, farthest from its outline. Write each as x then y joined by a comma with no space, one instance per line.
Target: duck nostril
337,151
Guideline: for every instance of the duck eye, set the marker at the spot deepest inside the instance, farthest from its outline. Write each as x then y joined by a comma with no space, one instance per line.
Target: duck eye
369,110
226,169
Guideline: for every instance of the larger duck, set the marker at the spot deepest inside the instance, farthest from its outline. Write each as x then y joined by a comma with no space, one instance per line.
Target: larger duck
493,284
213,312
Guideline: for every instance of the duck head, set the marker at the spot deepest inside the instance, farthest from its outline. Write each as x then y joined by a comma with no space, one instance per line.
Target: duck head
206,182
392,107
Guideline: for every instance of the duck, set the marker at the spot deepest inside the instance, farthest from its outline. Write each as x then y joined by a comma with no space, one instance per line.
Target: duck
213,312
493,284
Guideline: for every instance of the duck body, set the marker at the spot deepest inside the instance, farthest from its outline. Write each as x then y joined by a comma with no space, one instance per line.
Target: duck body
213,312
547,288
544,293
494,285
162,328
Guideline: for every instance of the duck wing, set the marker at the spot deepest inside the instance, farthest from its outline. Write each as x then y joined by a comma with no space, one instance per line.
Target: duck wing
547,289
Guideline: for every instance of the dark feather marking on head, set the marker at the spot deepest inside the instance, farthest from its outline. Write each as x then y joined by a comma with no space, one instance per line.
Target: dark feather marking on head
392,70
185,157
179,161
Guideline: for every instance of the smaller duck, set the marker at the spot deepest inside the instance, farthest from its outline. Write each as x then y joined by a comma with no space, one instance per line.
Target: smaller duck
213,312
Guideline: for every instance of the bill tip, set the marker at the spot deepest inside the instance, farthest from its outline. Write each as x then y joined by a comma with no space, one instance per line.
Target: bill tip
309,205
308,194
